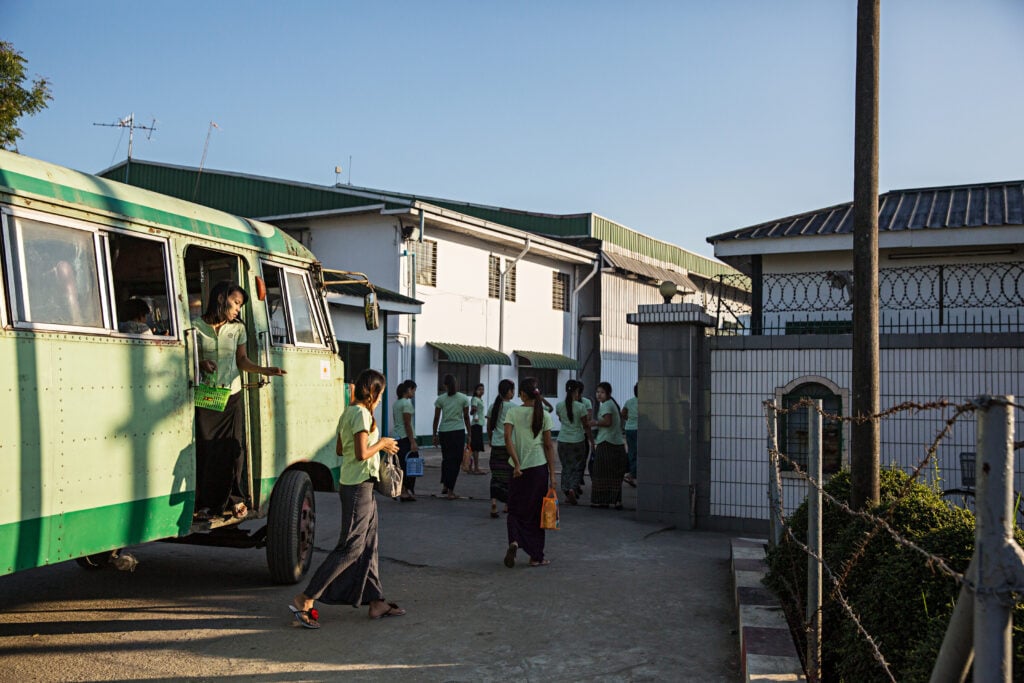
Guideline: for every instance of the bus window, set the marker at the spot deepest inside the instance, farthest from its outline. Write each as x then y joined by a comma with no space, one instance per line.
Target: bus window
53,274
139,271
276,311
306,329
203,269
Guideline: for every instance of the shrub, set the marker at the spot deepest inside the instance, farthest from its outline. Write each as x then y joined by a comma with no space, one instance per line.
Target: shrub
902,602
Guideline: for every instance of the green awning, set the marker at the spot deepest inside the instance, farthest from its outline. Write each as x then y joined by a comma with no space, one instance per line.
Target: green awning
471,355
546,361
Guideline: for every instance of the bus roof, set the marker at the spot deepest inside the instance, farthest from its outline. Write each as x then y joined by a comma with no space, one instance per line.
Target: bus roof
24,176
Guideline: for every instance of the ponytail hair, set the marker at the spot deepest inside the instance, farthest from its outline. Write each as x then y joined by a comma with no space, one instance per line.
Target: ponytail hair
571,387
531,388
451,385
504,387
369,386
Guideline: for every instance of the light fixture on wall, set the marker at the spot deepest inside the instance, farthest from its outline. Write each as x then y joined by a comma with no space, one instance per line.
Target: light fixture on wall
668,289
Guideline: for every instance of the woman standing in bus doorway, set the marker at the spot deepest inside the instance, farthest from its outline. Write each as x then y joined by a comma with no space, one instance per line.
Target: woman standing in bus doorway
573,445
631,417
403,414
220,436
610,460
451,433
532,454
501,470
348,576
476,439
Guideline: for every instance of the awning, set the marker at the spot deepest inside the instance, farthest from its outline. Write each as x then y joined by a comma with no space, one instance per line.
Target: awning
648,270
546,361
471,355
352,293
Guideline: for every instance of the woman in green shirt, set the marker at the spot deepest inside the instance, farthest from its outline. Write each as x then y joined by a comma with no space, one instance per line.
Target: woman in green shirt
532,456
348,576
631,418
610,461
476,441
501,470
403,414
573,445
451,433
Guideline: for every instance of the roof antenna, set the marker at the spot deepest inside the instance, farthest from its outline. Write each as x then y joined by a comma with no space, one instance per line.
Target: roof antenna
129,123
202,161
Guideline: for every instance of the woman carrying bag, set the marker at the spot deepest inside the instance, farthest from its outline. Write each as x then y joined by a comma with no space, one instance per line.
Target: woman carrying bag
532,456
348,576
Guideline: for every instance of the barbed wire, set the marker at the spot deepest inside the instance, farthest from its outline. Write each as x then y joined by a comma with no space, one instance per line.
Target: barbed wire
932,561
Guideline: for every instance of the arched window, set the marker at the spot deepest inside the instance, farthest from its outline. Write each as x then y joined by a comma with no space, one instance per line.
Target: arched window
794,432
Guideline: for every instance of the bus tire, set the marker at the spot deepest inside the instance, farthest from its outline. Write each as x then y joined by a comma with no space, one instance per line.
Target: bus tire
291,527
94,562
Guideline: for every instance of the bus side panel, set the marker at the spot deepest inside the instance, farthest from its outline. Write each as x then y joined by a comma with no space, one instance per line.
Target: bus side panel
116,466
300,413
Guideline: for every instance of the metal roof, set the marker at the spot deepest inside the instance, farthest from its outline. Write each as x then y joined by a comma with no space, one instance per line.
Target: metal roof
953,206
471,355
357,289
632,265
250,195
546,361
21,175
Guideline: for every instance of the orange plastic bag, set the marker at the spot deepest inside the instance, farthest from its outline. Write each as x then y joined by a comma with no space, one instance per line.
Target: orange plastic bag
549,511
467,459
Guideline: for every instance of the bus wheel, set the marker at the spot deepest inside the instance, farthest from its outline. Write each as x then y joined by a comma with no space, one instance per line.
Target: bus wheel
290,527
94,562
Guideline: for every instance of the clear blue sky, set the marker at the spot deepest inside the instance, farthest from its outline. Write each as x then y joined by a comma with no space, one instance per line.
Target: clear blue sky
680,119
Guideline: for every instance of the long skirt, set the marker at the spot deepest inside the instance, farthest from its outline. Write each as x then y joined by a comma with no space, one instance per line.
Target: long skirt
476,438
501,473
408,483
573,457
220,456
525,498
348,575
610,464
631,445
453,445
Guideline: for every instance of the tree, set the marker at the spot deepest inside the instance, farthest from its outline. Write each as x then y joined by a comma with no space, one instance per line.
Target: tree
15,99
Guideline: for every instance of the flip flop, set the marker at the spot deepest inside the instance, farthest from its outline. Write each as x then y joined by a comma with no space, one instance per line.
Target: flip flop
542,563
510,555
393,611
307,618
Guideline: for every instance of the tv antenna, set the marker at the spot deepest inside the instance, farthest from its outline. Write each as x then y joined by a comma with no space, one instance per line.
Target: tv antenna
129,123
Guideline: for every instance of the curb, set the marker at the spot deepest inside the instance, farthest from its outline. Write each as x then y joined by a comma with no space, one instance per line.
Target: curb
767,652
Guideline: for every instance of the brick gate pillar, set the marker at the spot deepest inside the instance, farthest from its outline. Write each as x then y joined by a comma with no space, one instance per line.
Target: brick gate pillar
674,454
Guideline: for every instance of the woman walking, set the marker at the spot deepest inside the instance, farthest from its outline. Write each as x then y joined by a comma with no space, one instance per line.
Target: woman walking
630,419
451,433
220,436
476,440
573,446
501,470
403,419
610,462
528,440
348,576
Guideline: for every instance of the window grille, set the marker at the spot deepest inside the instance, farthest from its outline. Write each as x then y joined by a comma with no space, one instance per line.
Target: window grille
794,429
426,262
510,284
493,277
560,291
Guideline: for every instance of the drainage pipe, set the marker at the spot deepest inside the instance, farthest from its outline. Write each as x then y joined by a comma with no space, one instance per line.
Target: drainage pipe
501,294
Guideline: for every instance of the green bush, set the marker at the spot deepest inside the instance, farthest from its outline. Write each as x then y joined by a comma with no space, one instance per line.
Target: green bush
902,602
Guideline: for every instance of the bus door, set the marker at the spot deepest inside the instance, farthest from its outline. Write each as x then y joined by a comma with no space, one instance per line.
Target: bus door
204,268
303,407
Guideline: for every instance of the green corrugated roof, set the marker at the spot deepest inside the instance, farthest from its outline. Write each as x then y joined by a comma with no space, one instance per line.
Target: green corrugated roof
471,355
248,195
21,175
547,361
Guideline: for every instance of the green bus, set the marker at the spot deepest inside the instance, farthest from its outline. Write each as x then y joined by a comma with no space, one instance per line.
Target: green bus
97,447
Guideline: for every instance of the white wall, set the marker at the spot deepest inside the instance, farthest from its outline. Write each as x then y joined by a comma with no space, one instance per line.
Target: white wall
620,296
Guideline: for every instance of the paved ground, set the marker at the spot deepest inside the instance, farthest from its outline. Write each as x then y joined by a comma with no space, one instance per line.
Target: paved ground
621,601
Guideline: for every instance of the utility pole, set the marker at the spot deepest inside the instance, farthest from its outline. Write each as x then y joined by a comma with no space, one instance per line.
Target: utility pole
864,451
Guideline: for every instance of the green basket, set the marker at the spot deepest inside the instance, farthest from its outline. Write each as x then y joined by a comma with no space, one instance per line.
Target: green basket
212,398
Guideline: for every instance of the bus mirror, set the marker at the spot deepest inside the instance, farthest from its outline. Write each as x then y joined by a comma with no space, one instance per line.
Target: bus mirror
261,289
371,311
